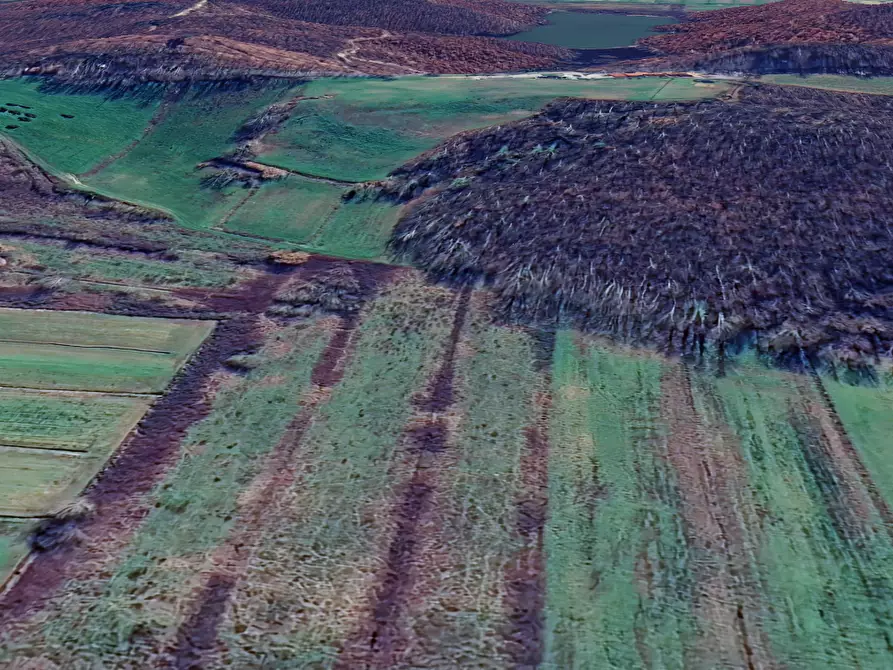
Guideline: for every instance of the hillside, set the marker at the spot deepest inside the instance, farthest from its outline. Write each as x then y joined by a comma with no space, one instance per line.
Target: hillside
676,224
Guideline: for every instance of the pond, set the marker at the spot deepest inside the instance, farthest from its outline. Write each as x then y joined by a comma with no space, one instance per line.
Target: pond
592,30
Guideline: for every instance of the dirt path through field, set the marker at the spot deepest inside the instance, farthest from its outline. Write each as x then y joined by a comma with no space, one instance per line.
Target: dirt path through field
711,479
381,640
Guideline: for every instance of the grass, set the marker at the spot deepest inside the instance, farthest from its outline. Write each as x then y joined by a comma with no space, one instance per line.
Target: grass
477,542
178,337
35,476
318,561
368,128
192,269
828,595
100,126
832,82
161,170
619,586
867,415
94,352
312,215
195,505
13,546
85,423
292,209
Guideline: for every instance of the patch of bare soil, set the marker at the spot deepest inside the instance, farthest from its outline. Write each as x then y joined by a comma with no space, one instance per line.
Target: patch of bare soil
673,224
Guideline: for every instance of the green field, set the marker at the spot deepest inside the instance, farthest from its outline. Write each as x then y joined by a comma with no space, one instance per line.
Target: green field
161,170
831,82
99,127
368,128
194,269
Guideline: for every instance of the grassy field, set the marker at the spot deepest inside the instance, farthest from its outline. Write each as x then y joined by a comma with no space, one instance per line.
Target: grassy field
98,127
161,170
191,268
365,129
833,82
590,30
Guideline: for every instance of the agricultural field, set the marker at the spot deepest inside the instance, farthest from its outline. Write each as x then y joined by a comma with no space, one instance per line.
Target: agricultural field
830,82
337,130
410,484
74,386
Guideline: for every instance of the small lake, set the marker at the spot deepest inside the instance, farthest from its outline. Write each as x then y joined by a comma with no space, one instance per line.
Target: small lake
592,30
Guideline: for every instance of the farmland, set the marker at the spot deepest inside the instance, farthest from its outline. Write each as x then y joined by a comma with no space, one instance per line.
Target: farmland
267,399
64,409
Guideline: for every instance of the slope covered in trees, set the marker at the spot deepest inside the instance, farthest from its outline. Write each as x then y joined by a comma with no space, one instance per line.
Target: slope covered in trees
677,223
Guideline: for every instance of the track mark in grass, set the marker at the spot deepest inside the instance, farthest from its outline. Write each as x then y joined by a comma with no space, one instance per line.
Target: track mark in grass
171,97
839,441
710,479
119,492
380,641
526,581
197,637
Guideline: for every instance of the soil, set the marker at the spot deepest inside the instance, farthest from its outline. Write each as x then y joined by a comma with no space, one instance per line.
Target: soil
674,224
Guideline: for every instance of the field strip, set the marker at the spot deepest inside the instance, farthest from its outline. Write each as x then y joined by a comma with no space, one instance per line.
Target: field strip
526,579
77,392
379,640
711,479
119,494
89,346
197,636
51,450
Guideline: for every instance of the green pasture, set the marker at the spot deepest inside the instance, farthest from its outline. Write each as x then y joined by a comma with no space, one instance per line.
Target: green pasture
833,82
161,170
13,545
176,337
100,127
86,423
191,269
52,445
367,128
825,569
312,215
687,5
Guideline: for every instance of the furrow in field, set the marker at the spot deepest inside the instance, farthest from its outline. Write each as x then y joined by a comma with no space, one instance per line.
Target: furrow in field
823,559
381,642
119,492
318,564
526,578
197,636
711,482
846,454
